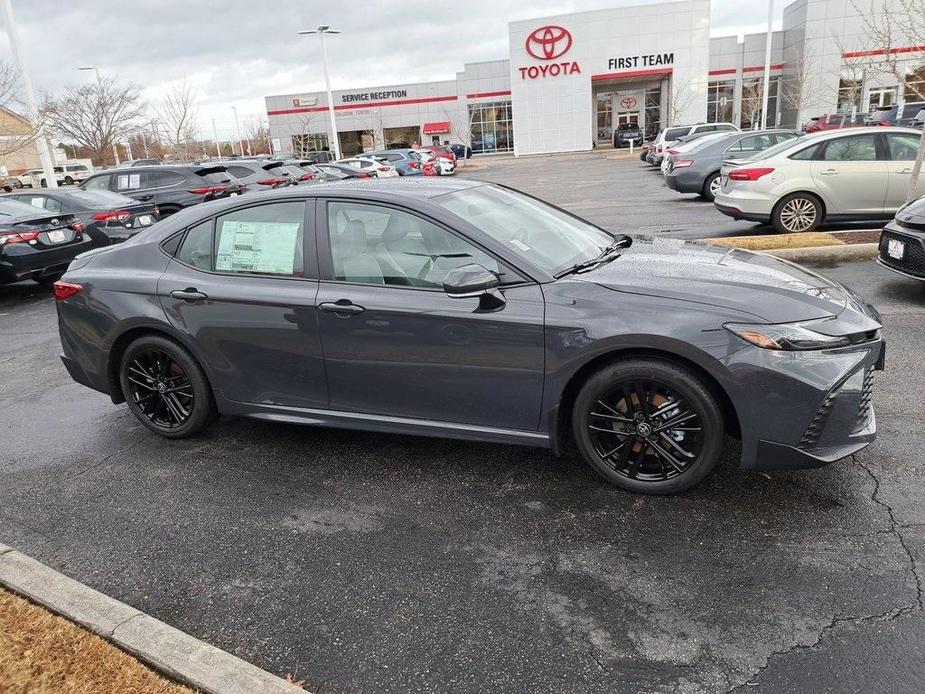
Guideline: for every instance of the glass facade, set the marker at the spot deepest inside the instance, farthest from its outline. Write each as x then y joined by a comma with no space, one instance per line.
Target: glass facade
653,111
310,142
850,92
752,98
604,130
721,102
491,127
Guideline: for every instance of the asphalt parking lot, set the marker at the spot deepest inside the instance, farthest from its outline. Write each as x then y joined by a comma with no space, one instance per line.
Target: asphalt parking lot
379,563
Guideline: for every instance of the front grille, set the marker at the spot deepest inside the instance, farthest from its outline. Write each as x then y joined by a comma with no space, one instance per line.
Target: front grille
913,260
865,409
811,435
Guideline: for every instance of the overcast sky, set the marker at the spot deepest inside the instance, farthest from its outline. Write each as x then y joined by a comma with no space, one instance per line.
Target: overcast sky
237,51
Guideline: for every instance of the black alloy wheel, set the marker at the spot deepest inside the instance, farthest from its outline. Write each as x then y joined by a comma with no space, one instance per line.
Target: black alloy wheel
165,388
648,425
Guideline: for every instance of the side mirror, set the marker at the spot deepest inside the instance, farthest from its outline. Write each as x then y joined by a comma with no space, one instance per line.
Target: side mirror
469,280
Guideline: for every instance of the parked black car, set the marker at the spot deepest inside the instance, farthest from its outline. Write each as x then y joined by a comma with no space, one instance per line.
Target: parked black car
36,244
107,217
461,151
626,133
469,310
902,242
266,174
170,187
912,116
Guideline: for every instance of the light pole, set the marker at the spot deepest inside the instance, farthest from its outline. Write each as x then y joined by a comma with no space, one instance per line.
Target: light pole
218,145
767,66
40,142
95,69
321,31
237,128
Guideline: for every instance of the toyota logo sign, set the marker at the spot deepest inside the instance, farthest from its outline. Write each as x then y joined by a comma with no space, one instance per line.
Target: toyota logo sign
548,42
628,102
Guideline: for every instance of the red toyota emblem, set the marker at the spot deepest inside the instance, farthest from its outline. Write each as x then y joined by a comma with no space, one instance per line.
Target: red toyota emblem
628,102
549,42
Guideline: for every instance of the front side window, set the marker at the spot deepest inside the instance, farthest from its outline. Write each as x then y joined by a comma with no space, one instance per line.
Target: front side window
263,240
546,236
372,244
903,147
97,183
856,148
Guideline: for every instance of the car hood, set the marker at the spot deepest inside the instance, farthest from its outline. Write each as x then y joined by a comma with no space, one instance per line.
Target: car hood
774,290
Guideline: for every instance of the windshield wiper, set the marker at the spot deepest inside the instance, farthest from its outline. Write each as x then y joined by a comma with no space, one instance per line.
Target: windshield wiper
605,256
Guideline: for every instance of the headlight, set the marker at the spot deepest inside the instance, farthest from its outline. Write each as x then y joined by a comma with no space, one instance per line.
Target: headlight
787,336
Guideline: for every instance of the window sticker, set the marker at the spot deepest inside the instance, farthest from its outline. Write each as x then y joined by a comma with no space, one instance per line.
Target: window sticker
264,247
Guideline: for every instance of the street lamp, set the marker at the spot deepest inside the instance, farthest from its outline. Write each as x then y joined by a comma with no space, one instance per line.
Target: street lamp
237,128
95,69
321,31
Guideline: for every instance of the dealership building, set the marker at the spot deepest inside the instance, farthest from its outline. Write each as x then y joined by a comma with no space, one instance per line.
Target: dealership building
570,80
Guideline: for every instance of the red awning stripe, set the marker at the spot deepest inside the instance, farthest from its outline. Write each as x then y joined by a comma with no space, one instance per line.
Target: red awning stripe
750,68
361,105
436,128
662,71
484,95
883,51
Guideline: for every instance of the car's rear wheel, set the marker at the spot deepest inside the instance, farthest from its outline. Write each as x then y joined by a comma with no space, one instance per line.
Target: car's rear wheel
165,388
797,213
711,186
648,425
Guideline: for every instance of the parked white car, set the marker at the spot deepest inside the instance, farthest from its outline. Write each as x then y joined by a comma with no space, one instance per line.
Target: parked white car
371,165
666,135
852,174
444,167
66,175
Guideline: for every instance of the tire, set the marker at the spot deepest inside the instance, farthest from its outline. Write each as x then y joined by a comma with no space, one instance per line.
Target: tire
48,280
797,213
153,367
43,183
710,187
68,181
627,402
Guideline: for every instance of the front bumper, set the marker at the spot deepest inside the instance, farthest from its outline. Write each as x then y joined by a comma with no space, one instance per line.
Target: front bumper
818,420
912,264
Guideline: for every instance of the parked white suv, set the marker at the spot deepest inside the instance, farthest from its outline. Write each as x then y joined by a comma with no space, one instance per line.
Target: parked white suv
666,135
847,175
66,175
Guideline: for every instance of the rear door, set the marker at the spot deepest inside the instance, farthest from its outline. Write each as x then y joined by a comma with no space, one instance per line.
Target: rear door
244,285
902,149
851,174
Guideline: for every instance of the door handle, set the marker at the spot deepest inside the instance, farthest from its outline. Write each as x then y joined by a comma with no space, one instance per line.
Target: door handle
342,307
829,172
189,295
905,171
145,197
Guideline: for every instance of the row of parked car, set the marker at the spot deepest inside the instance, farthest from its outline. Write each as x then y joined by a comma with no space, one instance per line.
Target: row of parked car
43,229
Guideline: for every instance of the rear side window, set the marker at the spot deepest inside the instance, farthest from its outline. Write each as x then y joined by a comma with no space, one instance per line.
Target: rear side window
857,148
239,171
217,177
903,147
161,179
675,133
97,183
128,181
263,240
805,154
196,249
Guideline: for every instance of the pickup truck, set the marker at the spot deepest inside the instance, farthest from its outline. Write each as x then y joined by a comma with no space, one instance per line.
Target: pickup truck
626,132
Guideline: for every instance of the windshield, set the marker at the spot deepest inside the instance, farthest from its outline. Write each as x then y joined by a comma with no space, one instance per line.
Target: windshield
548,237
101,198
20,210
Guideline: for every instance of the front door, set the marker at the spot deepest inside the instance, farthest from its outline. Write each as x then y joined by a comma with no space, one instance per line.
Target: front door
396,344
851,175
902,149
243,286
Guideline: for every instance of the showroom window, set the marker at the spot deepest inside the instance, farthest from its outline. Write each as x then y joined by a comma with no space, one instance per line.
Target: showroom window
849,94
881,97
653,111
309,142
720,102
915,85
752,97
491,127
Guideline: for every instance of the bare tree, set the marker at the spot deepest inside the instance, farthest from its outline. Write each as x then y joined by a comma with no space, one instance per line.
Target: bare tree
855,69
258,135
304,141
373,124
681,100
97,116
20,130
795,87
180,114
888,32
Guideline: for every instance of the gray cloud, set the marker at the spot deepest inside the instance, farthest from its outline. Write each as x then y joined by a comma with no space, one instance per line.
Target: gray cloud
237,51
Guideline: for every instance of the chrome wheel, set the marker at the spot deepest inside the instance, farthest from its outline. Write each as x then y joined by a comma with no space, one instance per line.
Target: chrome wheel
716,185
645,430
798,214
160,388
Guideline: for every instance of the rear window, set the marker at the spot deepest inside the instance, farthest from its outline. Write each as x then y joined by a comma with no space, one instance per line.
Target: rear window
216,175
240,171
100,198
19,210
675,133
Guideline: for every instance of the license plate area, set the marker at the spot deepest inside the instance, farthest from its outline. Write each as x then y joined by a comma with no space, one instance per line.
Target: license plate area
56,236
144,220
895,249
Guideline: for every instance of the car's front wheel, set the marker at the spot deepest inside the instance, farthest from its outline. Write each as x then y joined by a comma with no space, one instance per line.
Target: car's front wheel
165,388
797,213
648,425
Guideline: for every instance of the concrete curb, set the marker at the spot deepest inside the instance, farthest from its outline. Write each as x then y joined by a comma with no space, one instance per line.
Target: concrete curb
171,651
827,254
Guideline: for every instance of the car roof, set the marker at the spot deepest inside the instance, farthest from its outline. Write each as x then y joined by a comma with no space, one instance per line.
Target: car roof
844,132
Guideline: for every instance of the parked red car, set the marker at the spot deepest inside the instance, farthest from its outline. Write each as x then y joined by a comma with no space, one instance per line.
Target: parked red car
836,120
441,151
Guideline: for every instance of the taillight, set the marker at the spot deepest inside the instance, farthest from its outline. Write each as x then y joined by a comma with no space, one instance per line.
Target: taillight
683,163
307,177
65,290
157,210
272,181
672,151
76,226
748,174
413,165
21,237
363,175
382,168
115,215
207,190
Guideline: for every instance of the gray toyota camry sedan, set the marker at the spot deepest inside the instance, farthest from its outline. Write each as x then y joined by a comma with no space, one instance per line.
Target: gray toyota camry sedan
473,311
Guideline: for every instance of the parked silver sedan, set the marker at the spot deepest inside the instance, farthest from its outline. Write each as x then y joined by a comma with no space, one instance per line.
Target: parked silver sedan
845,175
